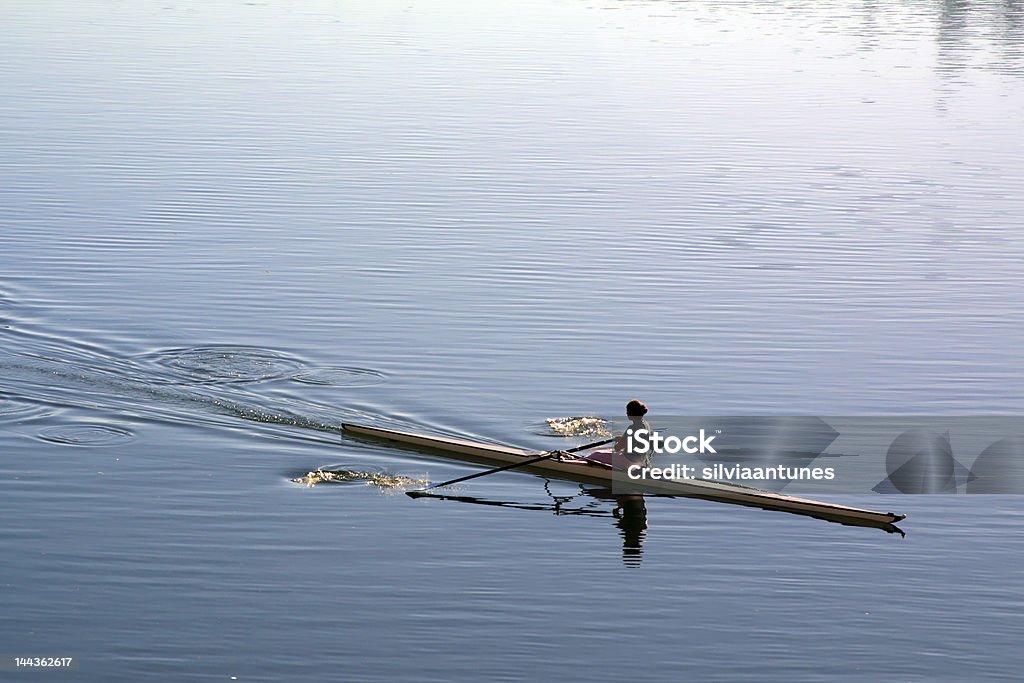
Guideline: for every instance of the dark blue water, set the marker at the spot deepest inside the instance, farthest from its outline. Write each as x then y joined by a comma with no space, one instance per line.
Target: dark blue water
226,228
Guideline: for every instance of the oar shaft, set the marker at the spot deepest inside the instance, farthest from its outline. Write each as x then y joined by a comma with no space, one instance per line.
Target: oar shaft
524,463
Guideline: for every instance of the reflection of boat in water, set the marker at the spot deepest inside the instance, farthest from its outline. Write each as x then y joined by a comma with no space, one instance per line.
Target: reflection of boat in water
582,471
629,513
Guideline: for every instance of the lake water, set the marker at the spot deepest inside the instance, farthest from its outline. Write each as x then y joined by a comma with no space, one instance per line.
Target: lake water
227,227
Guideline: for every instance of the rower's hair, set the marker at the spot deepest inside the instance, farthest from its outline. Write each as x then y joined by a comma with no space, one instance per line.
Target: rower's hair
636,408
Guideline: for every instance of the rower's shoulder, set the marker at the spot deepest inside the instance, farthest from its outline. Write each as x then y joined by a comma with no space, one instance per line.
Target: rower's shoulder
636,426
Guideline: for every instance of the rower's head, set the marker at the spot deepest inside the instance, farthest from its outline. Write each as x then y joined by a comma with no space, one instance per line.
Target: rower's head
636,408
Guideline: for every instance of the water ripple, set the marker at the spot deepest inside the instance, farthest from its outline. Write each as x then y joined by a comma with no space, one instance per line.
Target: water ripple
12,409
224,364
84,434
340,377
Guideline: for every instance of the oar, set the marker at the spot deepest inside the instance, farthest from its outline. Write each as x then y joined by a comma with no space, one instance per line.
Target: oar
524,463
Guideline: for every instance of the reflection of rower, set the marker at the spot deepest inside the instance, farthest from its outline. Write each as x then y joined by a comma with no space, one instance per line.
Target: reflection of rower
631,513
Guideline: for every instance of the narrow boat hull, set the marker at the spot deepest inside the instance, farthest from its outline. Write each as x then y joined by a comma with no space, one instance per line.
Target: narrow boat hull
586,473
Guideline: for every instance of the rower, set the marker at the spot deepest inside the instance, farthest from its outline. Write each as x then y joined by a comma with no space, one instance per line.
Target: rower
620,457
635,411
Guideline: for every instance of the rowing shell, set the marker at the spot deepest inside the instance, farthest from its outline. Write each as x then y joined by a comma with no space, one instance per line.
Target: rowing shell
580,470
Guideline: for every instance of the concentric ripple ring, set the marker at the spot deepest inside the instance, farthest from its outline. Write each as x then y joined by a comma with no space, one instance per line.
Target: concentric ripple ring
224,364
86,434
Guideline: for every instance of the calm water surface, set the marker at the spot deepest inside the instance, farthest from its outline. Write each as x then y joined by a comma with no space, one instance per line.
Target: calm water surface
227,227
